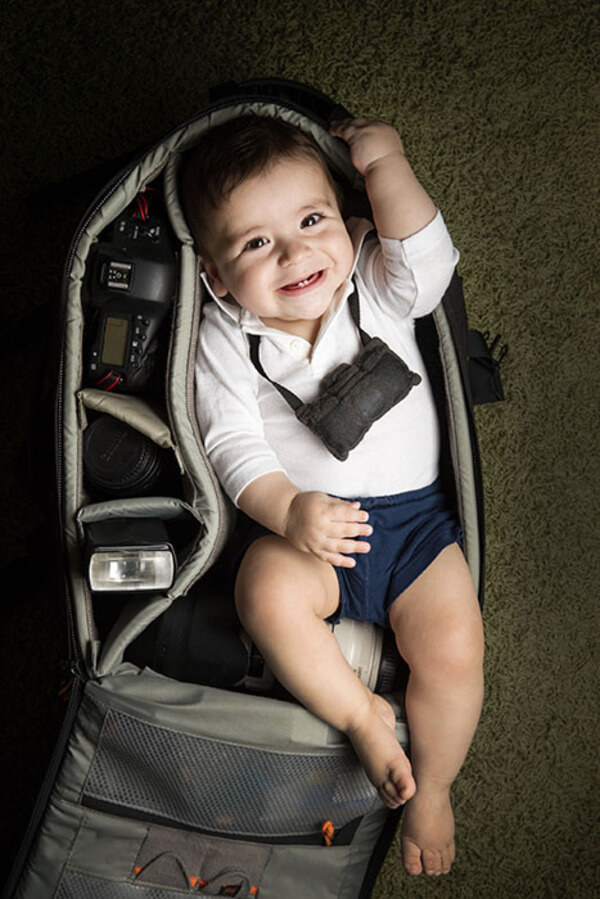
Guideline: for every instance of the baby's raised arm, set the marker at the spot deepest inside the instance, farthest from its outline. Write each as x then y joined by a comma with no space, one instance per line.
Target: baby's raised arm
401,206
311,521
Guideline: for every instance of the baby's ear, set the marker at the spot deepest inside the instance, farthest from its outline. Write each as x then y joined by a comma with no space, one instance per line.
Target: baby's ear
214,278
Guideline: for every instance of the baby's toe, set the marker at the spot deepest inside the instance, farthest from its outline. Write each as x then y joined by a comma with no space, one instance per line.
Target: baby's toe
406,788
447,858
403,783
411,857
388,795
432,862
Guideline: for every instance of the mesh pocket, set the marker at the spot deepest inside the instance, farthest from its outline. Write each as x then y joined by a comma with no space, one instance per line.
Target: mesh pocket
223,787
76,885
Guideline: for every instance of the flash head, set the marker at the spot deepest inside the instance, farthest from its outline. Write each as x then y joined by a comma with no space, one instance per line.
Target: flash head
129,554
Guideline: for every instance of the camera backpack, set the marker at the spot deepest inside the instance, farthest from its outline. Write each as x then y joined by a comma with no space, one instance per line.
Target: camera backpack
182,768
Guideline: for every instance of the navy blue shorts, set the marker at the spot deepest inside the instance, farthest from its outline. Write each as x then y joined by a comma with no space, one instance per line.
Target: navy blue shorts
409,531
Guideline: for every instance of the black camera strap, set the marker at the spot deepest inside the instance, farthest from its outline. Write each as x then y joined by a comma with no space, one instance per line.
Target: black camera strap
291,398
354,395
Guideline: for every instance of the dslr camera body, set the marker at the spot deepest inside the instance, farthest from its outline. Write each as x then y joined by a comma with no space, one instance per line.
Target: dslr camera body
129,290
355,395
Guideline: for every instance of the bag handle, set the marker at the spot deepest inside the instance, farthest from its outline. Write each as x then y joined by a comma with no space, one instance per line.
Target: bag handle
304,97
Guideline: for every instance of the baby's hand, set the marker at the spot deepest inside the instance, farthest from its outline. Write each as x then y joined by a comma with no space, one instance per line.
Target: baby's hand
369,140
323,525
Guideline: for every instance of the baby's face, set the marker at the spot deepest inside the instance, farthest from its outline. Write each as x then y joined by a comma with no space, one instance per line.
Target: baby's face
280,247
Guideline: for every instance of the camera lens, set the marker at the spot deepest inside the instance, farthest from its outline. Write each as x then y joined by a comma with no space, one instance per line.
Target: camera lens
118,460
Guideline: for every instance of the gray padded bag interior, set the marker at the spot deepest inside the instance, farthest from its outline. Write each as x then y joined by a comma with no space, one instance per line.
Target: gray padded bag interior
169,787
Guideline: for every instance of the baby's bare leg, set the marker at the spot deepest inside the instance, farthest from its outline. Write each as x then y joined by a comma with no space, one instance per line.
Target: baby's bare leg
282,596
438,629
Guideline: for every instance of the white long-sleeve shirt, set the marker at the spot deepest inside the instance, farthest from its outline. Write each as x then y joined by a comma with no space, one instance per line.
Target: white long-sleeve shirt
249,430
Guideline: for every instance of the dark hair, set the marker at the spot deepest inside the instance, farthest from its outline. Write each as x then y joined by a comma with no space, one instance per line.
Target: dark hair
228,154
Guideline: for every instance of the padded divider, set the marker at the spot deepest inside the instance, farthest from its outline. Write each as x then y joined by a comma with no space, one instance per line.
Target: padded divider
208,498
134,411
135,617
165,507
460,445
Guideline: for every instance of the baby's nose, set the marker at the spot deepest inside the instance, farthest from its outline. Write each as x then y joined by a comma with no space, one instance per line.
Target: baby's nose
293,249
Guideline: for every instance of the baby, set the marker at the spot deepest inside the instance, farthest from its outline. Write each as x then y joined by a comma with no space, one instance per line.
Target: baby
372,537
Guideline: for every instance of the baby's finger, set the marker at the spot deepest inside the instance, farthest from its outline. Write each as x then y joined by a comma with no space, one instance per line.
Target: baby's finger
338,560
341,552
350,529
356,546
347,547
352,120
346,129
342,510
339,123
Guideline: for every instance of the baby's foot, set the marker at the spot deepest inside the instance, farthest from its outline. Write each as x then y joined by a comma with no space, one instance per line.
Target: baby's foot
428,833
384,760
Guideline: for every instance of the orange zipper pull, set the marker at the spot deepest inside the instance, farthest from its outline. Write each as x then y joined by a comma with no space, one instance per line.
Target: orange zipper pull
328,832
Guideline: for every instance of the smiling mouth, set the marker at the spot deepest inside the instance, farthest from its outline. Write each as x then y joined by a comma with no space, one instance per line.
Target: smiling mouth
306,282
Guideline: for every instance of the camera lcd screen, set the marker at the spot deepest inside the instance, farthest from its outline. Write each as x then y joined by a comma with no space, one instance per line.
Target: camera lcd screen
114,347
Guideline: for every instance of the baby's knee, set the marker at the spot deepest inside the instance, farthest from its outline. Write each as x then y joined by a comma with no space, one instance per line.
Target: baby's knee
453,656
462,656
263,583
277,583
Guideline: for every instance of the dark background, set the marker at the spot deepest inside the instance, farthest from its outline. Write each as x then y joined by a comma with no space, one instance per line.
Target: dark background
498,107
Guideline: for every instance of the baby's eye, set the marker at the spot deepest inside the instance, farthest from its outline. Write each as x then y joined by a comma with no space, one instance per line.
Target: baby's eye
255,243
312,219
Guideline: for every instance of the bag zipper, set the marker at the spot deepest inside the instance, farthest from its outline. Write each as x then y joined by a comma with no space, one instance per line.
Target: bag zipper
342,837
473,443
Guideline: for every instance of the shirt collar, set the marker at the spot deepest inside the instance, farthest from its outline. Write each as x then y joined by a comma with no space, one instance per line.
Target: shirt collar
358,228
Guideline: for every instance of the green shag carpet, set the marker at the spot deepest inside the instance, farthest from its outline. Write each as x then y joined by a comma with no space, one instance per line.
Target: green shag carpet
497,103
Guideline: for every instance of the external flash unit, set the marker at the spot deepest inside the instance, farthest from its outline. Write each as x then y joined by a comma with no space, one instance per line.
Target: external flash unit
129,554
